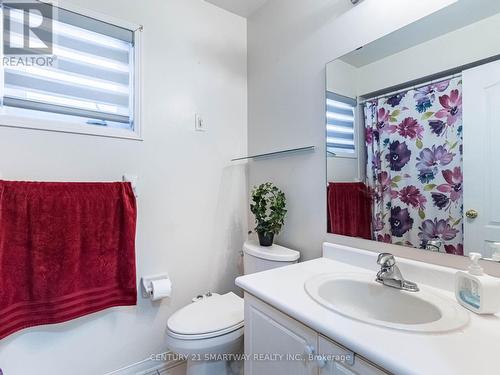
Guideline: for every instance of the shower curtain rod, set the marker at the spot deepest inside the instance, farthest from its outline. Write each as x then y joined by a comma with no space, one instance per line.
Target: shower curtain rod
427,83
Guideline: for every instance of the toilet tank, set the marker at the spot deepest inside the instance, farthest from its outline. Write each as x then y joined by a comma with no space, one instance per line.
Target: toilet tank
258,258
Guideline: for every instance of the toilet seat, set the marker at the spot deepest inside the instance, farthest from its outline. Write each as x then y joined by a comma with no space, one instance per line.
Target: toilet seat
206,335
231,342
208,318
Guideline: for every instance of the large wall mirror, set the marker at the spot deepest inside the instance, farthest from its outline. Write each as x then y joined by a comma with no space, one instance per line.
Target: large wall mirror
413,135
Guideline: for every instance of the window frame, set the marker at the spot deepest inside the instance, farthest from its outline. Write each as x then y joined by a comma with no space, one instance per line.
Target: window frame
62,126
343,155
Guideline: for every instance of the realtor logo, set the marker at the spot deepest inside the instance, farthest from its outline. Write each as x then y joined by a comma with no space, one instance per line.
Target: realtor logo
27,28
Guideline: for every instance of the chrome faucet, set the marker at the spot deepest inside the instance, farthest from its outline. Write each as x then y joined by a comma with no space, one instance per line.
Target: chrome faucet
390,274
434,245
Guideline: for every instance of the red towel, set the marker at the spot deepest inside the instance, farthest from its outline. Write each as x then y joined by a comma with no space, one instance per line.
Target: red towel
66,250
349,210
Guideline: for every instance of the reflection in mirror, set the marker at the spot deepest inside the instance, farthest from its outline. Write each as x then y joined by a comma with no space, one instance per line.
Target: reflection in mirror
413,132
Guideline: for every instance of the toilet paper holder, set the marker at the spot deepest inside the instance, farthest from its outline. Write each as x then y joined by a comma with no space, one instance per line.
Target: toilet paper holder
147,287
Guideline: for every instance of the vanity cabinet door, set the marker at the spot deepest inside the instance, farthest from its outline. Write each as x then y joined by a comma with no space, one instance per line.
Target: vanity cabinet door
275,344
338,360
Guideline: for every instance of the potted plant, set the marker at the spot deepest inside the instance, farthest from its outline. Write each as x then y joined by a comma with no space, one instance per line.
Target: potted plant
268,206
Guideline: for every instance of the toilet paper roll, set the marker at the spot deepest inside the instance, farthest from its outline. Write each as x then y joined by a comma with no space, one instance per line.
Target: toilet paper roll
161,289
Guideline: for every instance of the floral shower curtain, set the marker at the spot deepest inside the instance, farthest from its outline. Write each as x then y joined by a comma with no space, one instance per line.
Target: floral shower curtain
414,166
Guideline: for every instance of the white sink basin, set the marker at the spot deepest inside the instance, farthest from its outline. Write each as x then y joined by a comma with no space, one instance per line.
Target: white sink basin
360,297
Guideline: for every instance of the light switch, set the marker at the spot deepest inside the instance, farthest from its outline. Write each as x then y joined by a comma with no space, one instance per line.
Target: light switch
199,124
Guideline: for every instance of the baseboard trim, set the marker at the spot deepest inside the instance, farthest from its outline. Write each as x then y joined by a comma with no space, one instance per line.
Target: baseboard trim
148,366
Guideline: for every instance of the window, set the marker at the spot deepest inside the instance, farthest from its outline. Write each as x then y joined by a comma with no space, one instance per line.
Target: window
340,125
91,84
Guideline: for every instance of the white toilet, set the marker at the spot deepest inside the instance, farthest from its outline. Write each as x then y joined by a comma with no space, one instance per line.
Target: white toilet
206,331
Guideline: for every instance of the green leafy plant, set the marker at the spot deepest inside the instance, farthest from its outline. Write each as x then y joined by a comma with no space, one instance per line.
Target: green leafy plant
268,206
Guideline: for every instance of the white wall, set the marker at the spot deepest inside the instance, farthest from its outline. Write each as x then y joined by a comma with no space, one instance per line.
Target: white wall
289,43
460,47
472,43
192,204
341,78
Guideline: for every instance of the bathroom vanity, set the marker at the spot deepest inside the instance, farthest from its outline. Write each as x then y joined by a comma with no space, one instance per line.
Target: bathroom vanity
280,344
289,331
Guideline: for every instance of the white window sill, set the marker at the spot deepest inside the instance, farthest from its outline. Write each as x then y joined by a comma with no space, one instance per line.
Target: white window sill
64,127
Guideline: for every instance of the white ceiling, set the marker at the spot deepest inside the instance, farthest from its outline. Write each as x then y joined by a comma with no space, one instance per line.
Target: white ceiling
244,8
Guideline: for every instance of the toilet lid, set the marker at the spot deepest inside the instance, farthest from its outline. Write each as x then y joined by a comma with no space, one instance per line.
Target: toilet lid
211,315
275,252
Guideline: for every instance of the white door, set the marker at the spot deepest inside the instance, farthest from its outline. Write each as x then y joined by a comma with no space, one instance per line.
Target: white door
275,343
341,361
481,111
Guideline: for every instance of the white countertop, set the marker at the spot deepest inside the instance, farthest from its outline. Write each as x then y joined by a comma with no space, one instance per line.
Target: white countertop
469,351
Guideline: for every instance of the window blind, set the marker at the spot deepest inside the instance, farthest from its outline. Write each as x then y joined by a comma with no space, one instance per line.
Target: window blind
91,76
340,128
